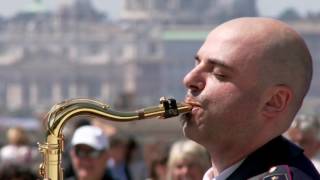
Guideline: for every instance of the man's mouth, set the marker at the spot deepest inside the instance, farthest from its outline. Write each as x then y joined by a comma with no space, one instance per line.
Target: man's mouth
195,108
195,105
193,102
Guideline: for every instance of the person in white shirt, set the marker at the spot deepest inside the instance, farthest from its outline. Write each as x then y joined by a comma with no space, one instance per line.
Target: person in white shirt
250,77
18,150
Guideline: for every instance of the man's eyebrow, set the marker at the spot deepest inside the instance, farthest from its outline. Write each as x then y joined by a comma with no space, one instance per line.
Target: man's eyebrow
218,62
221,64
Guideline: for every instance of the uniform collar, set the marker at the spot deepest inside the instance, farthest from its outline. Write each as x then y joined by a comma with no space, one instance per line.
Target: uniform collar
224,174
277,151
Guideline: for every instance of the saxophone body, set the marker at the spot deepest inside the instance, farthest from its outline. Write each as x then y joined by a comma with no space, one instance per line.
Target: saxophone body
51,150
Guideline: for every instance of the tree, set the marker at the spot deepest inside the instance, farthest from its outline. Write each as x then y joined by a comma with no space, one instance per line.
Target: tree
290,14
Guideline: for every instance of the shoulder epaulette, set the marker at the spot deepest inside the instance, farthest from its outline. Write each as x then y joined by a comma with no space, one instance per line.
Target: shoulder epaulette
282,172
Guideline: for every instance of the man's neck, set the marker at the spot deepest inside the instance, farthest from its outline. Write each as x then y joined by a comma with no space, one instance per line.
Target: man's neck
222,157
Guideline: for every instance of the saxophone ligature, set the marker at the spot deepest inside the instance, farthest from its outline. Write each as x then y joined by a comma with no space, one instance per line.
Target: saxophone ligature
51,150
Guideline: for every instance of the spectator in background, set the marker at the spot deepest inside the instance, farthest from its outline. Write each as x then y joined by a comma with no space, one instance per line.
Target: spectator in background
18,150
187,160
118,152
16,172
305,131
158,166
68,131
89,154
135,161
156,152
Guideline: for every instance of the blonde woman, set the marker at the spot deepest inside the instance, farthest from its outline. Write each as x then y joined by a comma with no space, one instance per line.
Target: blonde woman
187,160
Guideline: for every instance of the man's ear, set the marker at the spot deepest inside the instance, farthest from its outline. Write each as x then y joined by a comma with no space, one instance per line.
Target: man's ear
277,101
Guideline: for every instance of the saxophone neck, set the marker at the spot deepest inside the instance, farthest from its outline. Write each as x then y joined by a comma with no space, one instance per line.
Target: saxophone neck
66,110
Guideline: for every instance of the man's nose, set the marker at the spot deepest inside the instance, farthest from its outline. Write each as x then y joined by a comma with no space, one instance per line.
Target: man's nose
194,80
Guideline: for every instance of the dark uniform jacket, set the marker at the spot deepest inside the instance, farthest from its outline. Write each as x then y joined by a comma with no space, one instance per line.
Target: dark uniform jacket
279,159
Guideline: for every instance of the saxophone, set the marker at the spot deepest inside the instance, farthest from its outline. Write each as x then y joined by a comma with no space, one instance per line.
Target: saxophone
51,150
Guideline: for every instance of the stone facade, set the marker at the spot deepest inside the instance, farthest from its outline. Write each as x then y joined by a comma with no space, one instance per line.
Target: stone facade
46,58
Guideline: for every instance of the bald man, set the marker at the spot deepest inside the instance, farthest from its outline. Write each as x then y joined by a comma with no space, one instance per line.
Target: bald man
249,80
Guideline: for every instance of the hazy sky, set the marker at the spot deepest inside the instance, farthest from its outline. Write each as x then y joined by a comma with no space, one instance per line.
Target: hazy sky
265,7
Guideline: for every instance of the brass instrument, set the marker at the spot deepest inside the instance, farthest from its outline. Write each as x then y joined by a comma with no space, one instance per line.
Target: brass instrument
59,114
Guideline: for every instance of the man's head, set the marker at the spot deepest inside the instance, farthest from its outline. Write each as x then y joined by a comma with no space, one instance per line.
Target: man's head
305,131
250,78
89,152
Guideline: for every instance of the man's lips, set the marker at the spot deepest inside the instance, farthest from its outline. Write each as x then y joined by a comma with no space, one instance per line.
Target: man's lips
195,109
196,106
193,103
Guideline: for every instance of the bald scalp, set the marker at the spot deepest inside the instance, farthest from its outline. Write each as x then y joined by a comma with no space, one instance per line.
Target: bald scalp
281,54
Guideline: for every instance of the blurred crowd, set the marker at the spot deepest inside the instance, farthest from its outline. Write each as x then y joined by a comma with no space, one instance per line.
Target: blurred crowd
92,152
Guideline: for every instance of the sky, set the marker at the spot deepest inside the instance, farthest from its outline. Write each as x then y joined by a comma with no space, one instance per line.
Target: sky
269,8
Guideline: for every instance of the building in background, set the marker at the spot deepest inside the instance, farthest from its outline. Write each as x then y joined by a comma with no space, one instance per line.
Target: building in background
47,57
